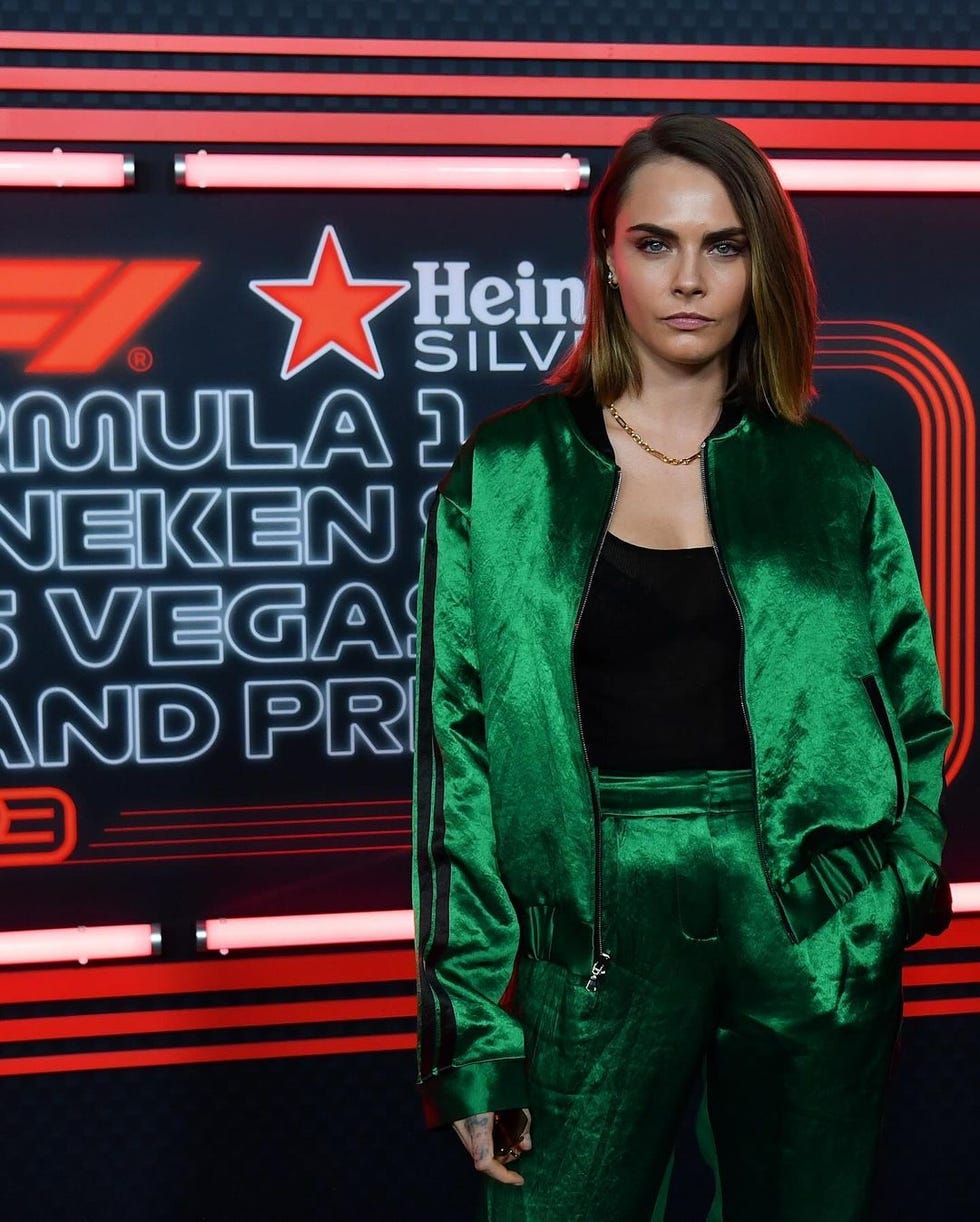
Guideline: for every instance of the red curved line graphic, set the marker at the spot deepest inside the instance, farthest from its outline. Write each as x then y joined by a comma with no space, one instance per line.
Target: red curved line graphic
944,406
928,423
937,615
968,517
962,522
953,520
935,594
918,399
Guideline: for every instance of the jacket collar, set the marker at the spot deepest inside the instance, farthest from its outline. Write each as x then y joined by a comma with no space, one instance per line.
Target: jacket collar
587,414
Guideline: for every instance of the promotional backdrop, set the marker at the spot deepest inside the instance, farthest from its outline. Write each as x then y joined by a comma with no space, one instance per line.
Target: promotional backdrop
222,414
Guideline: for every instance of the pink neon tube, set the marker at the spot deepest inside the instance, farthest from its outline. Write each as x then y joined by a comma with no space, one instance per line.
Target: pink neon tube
289,171
335,928
966,897
79,943
327,929
894,177
58,169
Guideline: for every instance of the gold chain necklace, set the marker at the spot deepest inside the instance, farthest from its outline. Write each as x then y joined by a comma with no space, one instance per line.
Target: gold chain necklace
674,462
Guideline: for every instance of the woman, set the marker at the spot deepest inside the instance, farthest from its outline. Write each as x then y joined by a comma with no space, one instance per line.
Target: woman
680,733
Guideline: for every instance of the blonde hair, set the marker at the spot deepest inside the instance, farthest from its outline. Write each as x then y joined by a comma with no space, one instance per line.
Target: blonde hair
771,357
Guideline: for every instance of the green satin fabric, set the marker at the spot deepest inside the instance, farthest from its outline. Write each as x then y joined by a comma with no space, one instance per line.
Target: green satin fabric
842,693
795,1040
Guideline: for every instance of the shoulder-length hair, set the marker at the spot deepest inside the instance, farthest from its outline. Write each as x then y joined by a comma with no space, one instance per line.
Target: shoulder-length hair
771,359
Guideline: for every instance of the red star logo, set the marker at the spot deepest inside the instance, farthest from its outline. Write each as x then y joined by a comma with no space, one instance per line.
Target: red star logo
329,310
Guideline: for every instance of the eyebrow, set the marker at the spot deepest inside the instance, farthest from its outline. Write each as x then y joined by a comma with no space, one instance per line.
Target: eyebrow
658,231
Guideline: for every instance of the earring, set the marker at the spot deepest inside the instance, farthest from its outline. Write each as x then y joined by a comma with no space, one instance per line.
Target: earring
611,278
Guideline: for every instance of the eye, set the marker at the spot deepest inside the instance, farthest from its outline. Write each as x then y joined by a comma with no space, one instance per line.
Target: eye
653,246
729,248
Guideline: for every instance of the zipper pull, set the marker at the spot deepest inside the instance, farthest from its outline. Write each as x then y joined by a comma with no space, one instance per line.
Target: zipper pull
598,969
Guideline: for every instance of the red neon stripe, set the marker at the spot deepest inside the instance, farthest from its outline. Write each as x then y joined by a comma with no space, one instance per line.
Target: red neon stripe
950,1005
954,576
335,128
211,1018
44,40
329,1046
941,973
962,934
234,839
145,1057
353,848
207,976
411,85
180,827
207,810
950,495
967,558
914,389
948,579
215,1018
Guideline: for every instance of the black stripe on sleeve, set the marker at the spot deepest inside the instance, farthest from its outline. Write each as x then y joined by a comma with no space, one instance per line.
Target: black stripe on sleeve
437,1021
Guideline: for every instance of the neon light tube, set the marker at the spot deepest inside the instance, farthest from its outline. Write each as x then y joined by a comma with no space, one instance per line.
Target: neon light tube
895,177
344,173
966,897
79,943
60,169
327,929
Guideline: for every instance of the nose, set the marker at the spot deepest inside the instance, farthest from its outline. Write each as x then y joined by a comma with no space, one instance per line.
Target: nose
688,274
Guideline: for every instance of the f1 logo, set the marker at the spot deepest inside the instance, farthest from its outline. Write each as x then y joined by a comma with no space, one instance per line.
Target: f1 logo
38,826
75,313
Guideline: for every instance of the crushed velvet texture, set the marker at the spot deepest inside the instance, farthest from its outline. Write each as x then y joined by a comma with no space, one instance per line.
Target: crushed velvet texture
796,1037
841,688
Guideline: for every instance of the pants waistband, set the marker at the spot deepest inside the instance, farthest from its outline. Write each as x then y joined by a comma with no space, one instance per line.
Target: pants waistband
686,792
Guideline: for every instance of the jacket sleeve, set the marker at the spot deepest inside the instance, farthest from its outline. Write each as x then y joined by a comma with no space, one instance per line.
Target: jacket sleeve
906,652
470,1049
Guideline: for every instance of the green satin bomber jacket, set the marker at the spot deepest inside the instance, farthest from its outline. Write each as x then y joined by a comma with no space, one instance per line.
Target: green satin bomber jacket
839,684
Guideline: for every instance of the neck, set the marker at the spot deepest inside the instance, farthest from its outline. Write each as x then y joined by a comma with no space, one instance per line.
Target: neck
676,401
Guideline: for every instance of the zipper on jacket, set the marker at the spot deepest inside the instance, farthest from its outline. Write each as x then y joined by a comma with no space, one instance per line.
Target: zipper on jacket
741,687
599,957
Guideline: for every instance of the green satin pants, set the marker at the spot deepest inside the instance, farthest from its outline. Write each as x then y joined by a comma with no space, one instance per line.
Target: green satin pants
795,1042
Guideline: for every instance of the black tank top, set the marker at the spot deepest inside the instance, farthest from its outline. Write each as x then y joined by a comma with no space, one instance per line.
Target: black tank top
657,662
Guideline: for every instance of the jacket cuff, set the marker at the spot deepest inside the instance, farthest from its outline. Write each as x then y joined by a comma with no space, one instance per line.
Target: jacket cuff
925,891
468,1090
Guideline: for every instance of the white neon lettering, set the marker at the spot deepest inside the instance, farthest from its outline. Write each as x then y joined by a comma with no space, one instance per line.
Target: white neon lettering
94,636
40,428
8,634
446,418
274,707
345,424
356,617
184,626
